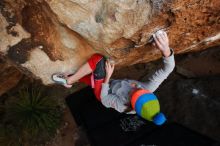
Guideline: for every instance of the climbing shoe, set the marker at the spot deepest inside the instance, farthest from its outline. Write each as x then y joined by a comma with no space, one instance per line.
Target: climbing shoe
60,79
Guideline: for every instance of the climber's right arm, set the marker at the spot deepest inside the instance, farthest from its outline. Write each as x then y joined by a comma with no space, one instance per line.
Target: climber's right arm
110,100
109,70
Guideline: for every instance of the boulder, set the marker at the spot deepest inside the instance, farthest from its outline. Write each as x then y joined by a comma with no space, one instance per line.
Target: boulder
42,37
9,77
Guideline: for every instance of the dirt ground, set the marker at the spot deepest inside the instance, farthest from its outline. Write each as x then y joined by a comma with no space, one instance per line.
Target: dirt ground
69,134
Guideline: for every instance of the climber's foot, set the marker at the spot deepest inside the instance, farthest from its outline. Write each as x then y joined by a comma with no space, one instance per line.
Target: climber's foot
60,78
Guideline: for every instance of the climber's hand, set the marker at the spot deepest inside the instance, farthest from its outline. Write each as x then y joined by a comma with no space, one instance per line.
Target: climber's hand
109,67
162,42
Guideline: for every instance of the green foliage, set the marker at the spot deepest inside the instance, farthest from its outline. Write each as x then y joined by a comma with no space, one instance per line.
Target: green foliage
33,116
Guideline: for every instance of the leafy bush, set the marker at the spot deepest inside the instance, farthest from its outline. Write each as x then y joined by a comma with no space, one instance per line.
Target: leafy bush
33,116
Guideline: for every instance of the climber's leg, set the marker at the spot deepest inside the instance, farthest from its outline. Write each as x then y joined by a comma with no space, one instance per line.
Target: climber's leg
92,73
99,77
96,78
68,80
84,70
86,79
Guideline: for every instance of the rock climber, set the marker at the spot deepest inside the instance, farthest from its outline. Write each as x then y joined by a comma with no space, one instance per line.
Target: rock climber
125,96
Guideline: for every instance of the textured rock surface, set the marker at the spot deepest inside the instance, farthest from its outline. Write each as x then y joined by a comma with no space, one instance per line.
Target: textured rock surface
46,36
9,77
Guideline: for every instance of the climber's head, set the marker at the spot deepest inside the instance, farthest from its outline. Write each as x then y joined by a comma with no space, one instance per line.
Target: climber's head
147,106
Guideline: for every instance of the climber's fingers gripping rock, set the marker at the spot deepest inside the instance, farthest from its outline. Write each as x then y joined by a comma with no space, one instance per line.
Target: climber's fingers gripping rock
162,42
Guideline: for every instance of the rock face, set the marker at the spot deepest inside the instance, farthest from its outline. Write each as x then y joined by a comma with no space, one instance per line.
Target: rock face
46,36
9,77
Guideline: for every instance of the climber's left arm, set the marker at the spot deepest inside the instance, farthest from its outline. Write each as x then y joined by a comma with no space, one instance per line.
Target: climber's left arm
161,74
